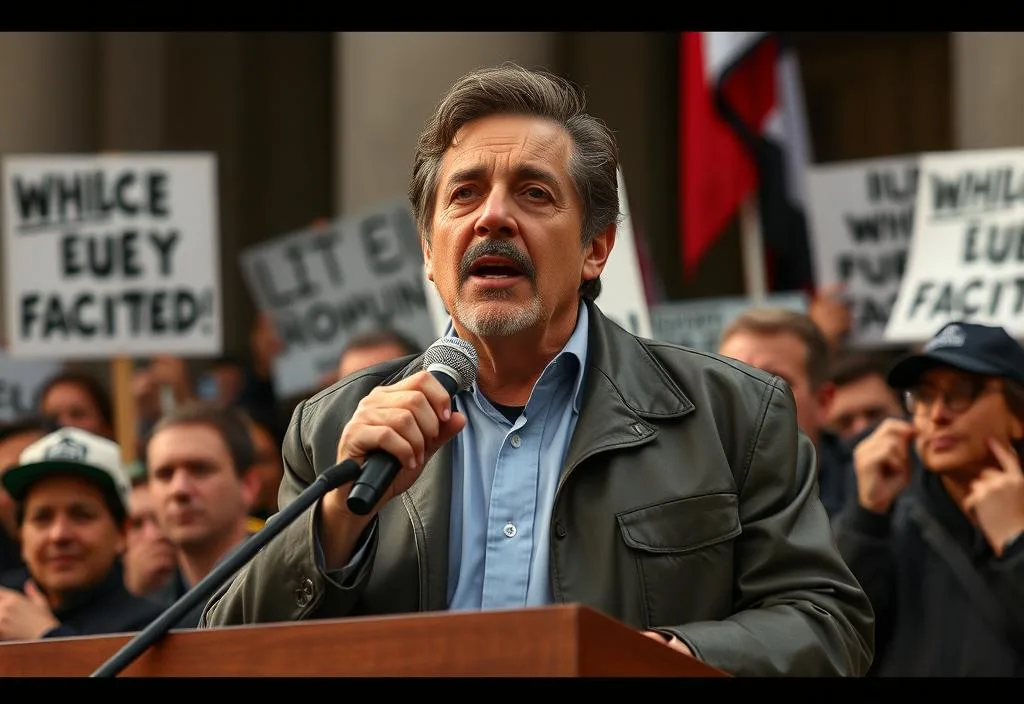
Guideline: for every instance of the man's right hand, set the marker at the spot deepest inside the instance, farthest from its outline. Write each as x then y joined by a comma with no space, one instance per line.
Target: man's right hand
882,463
410,420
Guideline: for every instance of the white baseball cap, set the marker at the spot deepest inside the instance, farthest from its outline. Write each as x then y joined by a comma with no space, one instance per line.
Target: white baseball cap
70,451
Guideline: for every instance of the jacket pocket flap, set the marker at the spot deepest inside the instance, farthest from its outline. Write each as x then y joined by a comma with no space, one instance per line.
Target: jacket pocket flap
682,525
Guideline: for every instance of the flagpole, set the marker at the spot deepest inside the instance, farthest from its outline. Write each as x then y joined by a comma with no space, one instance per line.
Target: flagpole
752,244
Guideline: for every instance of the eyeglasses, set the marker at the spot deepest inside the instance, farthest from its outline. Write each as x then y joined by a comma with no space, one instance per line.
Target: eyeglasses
957,398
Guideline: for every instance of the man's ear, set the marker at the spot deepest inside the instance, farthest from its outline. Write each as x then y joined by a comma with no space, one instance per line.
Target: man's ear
121,543
251,484
597,251
428,267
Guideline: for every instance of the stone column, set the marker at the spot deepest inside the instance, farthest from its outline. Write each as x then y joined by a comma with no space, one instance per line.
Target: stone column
387,84
988,89
130,91
48,94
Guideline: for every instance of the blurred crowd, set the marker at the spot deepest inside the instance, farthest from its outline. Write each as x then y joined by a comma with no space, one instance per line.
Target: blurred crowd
90,544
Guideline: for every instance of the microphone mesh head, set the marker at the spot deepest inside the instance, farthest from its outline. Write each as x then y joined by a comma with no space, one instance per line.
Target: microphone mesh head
456,354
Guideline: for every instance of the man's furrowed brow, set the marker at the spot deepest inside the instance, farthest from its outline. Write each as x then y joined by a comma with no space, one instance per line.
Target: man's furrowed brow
530,172
472,173
525,172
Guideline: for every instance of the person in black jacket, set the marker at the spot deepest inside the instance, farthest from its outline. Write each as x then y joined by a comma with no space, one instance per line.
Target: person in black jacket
935,533
71,493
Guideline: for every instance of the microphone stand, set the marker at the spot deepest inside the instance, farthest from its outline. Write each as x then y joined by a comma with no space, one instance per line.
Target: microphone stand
329,479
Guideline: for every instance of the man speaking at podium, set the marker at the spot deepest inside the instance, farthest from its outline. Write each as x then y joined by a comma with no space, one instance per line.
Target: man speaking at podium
667,488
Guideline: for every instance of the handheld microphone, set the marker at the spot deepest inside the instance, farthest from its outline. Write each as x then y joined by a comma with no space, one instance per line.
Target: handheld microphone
454,363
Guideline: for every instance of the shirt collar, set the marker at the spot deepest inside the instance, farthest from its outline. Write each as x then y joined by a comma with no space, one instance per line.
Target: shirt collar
575,346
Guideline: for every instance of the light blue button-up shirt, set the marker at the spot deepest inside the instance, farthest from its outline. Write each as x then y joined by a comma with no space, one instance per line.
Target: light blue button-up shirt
504,476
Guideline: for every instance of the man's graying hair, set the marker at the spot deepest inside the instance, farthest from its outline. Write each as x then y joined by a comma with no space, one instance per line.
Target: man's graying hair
513,89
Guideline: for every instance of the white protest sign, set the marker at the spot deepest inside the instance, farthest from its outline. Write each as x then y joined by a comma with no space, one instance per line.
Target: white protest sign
861,216
698,323
320,285
966,259
111,255
622,289
21,380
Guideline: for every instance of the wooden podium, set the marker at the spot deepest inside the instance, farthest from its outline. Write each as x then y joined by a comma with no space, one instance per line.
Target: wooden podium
562,641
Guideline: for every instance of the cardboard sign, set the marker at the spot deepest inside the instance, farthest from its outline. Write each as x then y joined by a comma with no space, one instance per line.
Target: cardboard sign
321,285
861,216
698,323
21,381
111,255
622,286
967,253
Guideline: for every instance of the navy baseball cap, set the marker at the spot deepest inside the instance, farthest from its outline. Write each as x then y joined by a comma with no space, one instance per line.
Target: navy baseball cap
969,347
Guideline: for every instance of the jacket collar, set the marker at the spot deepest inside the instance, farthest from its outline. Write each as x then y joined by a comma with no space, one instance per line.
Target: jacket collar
640,382
575,347
77,601
428,503
625,387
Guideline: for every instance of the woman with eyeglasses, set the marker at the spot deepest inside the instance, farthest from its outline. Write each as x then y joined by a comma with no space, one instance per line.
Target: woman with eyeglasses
935,536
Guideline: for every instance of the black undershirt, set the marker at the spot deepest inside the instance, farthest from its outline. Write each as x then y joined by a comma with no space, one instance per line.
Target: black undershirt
510,412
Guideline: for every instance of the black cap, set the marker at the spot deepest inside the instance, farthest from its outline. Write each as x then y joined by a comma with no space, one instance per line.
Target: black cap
969,347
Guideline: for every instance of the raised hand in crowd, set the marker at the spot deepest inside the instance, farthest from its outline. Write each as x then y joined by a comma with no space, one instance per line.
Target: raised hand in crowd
996,498
831,313
264,345
164,371
882,464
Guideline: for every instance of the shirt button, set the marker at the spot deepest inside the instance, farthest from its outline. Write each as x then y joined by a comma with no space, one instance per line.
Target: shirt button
510,530
516,442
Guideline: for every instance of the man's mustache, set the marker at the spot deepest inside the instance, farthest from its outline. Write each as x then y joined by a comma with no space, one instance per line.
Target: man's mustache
495,248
